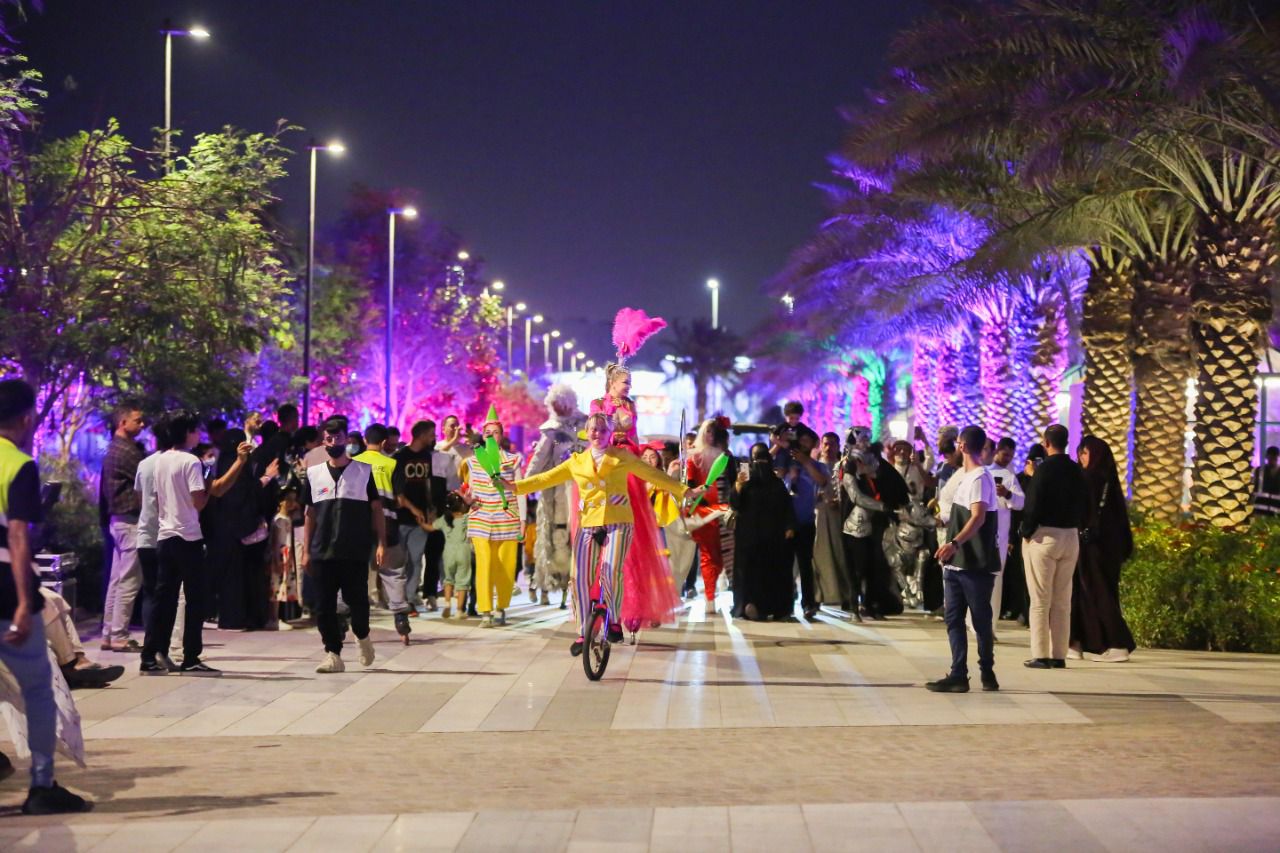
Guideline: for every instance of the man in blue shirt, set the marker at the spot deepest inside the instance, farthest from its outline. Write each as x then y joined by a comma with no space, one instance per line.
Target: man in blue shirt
805,477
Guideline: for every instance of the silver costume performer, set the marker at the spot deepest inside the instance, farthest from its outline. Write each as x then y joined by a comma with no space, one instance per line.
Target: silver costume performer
552,550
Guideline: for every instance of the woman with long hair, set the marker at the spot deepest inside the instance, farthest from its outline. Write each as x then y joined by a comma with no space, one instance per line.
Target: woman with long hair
1098,629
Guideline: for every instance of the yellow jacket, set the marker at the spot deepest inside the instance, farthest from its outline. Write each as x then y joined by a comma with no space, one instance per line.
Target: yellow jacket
602,493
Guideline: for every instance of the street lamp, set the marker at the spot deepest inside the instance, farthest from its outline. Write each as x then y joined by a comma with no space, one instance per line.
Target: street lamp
512,310
560,351
498,286
332,148
464,255
528,340
392,213
546,348
789,301
714,286
590,365
169,32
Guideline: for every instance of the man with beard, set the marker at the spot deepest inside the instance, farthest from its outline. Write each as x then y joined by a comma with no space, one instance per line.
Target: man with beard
423,476
552,550
876,492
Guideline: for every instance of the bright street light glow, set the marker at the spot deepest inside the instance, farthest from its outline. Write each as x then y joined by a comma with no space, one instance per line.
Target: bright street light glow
409,213
537,318
568,345
713,284
520,306
198,33
590,364
498,285
464,255
335,148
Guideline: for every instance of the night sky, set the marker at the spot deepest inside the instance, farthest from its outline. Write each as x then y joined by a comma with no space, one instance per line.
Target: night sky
596,154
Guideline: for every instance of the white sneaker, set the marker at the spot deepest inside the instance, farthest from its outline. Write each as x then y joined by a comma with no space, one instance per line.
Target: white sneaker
331,663
1111,656
1074,654
366,651
486,620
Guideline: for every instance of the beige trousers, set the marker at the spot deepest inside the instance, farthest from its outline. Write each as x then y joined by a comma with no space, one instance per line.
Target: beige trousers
60,628
1050,557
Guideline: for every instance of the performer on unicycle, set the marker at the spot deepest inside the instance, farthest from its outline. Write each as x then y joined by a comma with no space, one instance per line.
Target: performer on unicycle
605,517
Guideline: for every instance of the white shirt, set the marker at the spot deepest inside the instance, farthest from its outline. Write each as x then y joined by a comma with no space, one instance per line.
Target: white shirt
972,487
178,474
149,516
1006,506
946,496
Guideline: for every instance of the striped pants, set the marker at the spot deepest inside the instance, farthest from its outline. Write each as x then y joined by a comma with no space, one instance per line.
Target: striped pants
606,556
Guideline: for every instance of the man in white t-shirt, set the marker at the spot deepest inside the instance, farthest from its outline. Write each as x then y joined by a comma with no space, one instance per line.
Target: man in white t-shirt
970,564
180,493
1009,499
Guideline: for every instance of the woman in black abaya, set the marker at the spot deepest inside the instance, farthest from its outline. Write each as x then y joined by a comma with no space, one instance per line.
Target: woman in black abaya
1098,629
765,526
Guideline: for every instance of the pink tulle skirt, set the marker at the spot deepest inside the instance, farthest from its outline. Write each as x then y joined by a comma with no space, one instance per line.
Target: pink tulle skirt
649,597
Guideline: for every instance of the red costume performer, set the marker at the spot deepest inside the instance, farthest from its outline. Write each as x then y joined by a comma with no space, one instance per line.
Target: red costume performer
714,540
649,598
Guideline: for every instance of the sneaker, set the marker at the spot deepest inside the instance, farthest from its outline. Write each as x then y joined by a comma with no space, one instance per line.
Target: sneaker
950,684
1111,656
166,661
989,682
615,633
366,651
1074,654
331,663
487,621
1038,663
153,667
575,648
198,667
402,623
54,799
502,618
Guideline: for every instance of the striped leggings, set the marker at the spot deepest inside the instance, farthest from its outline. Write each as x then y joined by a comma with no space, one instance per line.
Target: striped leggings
608,555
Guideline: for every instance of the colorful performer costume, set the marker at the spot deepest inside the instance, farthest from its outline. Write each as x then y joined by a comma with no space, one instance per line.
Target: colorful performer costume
552,550
494,530
607,516
651,599
715,539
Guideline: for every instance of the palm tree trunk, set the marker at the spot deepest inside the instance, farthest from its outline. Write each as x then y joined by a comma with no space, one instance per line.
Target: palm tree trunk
1161,367
1108,368
1048,364
1231,305
996,371
924,397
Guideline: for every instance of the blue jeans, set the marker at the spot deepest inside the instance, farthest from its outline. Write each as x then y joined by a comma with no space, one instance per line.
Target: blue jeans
29,664
970,591
414,539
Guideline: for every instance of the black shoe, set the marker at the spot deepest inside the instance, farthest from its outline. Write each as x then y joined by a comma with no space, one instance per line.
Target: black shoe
151,667
1038,663
54,799
166,661
950,684
615,633
198,667
94,675
989,682
1058,663
402,624
575,648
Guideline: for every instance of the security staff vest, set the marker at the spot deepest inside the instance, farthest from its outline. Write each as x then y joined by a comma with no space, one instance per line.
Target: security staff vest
342,512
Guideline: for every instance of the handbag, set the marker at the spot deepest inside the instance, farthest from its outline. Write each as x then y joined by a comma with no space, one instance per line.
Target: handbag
1092,534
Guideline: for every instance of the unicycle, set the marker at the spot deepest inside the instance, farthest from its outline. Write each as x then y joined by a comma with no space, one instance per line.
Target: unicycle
595,645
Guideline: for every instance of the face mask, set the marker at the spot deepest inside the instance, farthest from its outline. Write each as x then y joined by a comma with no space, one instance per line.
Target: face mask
353,450
335,450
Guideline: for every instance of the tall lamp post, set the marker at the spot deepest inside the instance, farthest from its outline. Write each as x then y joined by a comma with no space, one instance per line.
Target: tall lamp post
512,311
714,286
528,341
392,213
169,32
560,351
546,348
332,148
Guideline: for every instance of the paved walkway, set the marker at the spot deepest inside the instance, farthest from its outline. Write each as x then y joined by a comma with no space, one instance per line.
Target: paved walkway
711,735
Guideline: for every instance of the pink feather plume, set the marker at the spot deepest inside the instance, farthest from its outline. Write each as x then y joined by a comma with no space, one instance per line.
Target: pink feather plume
631,328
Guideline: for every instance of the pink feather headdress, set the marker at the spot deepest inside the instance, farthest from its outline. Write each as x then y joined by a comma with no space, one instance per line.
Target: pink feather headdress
631,328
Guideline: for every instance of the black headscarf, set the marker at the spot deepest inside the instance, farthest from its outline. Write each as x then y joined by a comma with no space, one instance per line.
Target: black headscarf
1111,518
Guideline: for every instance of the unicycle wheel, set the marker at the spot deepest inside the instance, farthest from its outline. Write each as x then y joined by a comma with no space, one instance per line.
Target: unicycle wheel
595,651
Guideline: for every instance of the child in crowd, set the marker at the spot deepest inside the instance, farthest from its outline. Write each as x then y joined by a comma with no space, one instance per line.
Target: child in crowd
287,547
457,556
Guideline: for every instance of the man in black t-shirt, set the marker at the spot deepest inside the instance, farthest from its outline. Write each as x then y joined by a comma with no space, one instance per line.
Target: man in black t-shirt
22,641
343,521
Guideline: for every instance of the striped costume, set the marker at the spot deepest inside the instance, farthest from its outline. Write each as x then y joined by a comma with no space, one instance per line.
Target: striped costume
494,532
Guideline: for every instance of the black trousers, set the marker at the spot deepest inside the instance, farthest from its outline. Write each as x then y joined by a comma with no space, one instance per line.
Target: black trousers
803,545
180,565
149,560
350,577
433,560
969,591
